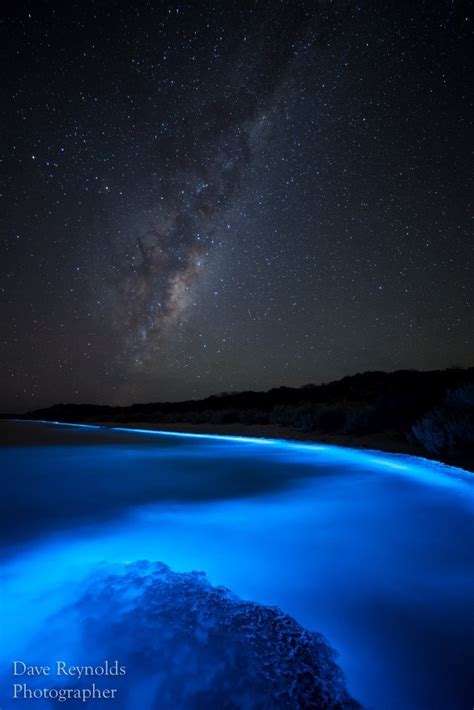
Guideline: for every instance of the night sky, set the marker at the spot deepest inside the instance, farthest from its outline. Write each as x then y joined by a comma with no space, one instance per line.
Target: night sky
201,197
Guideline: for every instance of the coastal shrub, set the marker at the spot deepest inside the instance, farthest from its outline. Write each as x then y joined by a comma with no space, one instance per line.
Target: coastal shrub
253,416
282,415
361,420
309,417
303,417
461,397
191,417
224,416
331,419
445,430
430,433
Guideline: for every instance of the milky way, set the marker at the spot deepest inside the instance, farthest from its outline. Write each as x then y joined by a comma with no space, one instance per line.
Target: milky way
228,131
202,197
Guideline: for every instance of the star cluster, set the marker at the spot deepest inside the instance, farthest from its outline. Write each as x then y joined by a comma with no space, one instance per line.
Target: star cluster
206,196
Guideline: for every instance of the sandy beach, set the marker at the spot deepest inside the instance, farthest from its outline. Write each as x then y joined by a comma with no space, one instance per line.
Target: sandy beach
389,442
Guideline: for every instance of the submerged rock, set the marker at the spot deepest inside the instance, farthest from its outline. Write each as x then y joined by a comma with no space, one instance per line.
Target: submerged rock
187,644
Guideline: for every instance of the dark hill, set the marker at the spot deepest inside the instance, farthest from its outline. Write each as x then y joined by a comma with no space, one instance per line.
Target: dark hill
435,409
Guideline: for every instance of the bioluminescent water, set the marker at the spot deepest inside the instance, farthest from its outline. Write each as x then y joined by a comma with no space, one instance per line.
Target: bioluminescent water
373,550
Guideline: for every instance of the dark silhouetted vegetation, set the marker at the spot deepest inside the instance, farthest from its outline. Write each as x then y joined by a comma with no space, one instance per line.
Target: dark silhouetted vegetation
449,428
433,410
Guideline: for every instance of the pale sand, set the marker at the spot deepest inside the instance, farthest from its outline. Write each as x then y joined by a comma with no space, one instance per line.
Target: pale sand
27,433
386,441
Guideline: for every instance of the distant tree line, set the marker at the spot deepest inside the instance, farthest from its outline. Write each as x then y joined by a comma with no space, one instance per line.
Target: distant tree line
434,409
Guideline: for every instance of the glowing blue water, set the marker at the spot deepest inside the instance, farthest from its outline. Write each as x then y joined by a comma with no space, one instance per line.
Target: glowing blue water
374,550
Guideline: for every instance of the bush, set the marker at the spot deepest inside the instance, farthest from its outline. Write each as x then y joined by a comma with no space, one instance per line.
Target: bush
303,417
332,419
461,397
253,416
361,420
445,430
282,415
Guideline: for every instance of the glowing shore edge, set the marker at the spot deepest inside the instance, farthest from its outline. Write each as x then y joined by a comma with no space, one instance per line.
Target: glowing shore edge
406,463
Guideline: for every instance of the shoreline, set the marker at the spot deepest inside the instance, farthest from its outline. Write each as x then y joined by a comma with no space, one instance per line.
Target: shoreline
388,442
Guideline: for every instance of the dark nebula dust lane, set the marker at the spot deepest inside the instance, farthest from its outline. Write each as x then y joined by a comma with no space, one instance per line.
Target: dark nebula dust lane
201,198
219,133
